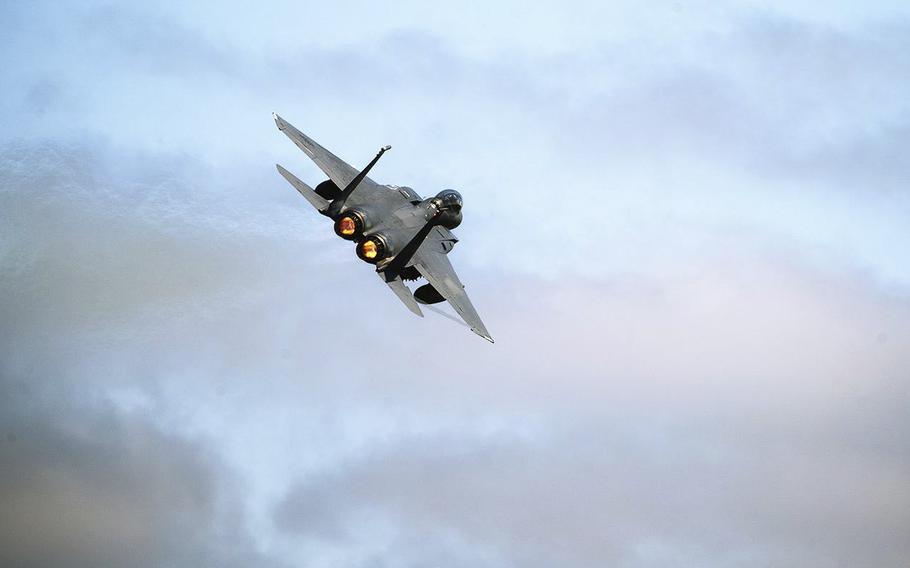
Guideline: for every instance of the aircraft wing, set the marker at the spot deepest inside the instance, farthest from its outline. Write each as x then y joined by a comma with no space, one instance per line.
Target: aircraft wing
337,169
433,263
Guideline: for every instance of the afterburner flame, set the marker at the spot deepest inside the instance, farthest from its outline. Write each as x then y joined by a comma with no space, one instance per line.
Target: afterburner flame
347,226
372,249
350,225
369,249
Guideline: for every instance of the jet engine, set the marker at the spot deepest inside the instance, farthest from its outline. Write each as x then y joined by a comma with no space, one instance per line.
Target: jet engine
373,248
351,224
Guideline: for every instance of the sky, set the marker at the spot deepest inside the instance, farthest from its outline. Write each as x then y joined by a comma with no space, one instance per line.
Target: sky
685,225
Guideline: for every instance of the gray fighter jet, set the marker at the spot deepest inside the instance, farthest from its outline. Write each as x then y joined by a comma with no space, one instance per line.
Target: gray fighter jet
404,235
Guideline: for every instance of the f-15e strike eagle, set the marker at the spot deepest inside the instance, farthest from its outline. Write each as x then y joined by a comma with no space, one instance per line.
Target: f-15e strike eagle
404,235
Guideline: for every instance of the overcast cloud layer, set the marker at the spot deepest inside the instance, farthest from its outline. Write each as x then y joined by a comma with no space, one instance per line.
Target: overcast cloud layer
685,225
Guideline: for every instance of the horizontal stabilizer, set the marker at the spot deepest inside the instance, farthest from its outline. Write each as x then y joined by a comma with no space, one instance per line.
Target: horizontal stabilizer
314,198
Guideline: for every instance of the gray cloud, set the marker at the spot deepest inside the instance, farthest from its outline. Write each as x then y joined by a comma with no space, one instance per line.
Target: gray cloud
766,428
714,416
85,485
610,494
190,377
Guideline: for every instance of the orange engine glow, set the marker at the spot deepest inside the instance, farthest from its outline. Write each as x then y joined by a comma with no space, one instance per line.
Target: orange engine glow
350,225
372,249
347,226
368,249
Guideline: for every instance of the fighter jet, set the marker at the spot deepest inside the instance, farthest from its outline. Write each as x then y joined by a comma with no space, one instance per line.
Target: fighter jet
405,236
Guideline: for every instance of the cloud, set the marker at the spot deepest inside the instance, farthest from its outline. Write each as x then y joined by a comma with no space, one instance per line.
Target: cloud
684,244
85,485
747,408
608,493
739,416
87,258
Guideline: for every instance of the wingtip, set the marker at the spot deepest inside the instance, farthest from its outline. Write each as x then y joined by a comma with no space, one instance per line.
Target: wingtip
277,120
484,335
414,307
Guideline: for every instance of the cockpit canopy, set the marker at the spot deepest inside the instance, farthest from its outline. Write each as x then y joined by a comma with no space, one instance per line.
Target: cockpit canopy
449,203
450,199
